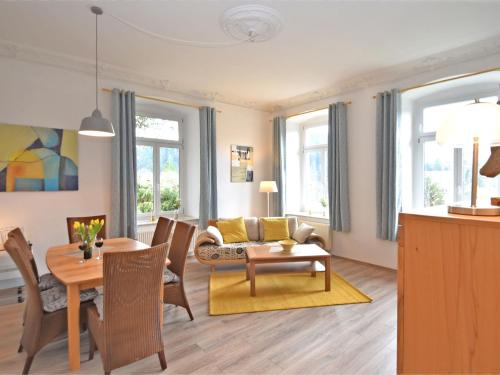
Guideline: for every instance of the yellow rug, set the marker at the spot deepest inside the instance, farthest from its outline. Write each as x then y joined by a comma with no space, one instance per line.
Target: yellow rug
229,292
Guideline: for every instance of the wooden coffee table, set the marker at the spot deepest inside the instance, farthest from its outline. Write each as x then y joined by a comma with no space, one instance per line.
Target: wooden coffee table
300,253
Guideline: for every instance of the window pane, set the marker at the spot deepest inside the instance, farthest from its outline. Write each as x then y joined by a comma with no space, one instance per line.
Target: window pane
436,115
316,135
169,179
438,174
315,190
145,195
156,128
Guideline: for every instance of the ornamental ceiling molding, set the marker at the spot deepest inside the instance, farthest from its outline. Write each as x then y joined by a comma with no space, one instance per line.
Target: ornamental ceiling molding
485,48
473,51
31,54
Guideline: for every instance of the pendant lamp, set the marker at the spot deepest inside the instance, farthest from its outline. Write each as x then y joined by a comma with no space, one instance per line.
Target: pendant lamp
95,125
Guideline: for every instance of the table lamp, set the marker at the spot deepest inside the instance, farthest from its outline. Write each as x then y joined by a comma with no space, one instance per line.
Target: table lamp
472,123
268,187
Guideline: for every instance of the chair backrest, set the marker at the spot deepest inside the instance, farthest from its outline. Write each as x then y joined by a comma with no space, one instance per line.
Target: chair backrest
132,321
162,231
179,247
19,250
73,237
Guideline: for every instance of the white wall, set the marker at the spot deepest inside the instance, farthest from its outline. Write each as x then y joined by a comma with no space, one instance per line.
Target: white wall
361,243
40,95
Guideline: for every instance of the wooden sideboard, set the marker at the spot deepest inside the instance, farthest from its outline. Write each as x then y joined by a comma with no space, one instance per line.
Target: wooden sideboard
448,293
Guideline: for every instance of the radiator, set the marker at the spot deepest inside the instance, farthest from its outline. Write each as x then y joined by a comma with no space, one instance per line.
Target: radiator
145,234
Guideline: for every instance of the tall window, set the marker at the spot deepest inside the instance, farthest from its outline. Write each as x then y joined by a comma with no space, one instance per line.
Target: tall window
306,165
158,147
443,173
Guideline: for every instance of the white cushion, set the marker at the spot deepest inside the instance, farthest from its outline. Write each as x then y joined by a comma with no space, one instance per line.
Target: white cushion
302,233
48,281
215,234
169,277
292,227
252,226
99,303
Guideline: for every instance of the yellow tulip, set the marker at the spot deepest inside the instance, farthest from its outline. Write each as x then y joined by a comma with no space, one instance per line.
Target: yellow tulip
102,221
76,225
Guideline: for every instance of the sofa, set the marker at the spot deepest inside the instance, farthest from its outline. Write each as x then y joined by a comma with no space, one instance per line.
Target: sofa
208,252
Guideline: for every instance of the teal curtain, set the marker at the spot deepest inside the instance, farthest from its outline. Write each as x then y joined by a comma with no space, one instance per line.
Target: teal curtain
388,176
338,177
208,166
279,165
124,166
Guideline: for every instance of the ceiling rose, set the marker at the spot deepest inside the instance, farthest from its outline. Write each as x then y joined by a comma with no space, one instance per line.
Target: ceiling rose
253,23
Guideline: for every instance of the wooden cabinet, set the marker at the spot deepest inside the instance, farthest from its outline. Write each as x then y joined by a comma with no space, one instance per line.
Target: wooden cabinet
448,293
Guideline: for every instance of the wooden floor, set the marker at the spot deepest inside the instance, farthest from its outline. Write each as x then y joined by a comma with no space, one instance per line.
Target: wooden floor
349,339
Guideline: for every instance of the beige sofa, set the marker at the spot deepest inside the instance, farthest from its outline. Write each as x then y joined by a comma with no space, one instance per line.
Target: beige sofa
208,252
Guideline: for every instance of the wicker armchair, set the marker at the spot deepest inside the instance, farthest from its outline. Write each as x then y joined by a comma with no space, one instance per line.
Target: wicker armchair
128,326
174,292
73,237
40,327
162,231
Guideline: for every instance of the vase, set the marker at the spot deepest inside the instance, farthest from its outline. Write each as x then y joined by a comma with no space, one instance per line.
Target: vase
87,253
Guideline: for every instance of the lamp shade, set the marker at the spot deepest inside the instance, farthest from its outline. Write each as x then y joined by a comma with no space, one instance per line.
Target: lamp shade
476,120
268,187
96,126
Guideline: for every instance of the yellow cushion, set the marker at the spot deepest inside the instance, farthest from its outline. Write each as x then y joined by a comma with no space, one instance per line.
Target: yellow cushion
275,229
233,230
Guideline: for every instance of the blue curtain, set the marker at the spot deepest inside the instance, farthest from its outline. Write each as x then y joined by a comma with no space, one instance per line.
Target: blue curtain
279,166
388,176
124,166
338,177
208,166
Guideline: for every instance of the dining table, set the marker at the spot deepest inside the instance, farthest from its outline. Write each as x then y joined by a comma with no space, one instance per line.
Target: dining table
65,263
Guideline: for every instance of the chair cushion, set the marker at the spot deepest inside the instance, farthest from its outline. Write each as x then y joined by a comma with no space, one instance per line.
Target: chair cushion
302,233
48,281
169,277
275,229
54,299
215,234
233,230
99,303
292,226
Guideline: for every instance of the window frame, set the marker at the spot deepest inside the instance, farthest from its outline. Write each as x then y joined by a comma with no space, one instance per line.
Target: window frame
419,137
157,144
303,161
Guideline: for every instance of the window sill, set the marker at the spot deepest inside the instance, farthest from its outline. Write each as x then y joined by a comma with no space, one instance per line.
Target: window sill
310,217
145,223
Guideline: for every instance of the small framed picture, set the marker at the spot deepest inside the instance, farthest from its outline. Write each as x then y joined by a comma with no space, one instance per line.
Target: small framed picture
241,163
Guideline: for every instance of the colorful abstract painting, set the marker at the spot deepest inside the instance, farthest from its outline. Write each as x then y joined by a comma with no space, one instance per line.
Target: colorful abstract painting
38,159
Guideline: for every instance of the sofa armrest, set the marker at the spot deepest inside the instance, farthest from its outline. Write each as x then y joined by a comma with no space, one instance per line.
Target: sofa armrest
317,239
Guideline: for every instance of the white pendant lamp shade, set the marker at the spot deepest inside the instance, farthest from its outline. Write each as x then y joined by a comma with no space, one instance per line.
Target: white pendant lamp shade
95,125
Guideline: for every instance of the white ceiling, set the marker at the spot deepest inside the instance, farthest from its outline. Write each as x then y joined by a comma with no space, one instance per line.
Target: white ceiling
322,43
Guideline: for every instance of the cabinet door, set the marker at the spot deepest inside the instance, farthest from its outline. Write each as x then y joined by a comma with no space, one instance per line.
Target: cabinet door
451,297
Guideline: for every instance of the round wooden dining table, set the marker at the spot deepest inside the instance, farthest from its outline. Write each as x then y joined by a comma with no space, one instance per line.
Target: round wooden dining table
65,264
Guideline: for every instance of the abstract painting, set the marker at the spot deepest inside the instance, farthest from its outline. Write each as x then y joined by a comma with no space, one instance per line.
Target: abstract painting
241,163
38,159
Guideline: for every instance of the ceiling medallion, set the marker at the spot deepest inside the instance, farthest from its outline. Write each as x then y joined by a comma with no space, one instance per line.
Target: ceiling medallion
253,23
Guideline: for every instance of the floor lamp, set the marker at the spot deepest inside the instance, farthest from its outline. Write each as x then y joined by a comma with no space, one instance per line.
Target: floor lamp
268,187
472,123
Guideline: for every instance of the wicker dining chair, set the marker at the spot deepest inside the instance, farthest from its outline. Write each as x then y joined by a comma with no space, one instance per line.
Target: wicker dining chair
40,326
126,323
174,292
70,221
162,231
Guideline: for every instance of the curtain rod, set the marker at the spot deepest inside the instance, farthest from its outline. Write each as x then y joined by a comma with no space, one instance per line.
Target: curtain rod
162,100
448,79
312,110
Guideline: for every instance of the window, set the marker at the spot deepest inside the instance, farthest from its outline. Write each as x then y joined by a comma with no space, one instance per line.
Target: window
306,165
158,148
443,173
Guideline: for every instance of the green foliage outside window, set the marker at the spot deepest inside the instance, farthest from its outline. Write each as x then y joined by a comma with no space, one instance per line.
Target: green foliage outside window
434,194
169,197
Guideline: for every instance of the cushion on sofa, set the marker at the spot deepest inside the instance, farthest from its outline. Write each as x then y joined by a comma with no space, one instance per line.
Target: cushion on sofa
233,230
215,233
228,251
292,226
302,233
275,229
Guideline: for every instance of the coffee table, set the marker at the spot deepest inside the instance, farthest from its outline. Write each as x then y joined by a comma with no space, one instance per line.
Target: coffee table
274,254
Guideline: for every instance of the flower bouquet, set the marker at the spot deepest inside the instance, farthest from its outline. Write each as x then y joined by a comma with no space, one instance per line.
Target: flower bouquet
87,234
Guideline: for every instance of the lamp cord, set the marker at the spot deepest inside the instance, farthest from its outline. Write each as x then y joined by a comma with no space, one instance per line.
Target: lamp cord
96,83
